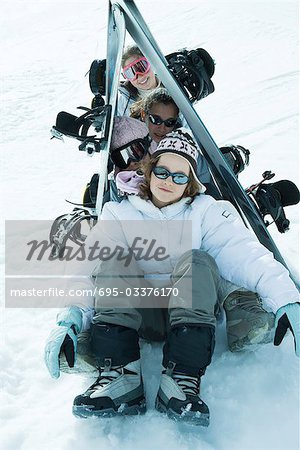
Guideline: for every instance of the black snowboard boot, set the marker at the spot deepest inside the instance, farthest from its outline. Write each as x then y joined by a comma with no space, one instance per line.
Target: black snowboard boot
187,353
119,388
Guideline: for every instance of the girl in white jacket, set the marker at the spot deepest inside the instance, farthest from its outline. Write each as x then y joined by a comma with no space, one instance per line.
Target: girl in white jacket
170,247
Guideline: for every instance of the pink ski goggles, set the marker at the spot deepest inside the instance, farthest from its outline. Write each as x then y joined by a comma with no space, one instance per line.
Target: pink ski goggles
140,66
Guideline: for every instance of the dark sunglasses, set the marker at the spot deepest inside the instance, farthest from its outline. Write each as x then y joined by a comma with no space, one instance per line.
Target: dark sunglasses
157,120
138,67
134,151
177,177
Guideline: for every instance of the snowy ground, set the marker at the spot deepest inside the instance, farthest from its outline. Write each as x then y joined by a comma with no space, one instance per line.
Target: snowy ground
48,48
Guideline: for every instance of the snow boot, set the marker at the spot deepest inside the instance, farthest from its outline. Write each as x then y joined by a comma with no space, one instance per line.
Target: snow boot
248,323
178,397
118,391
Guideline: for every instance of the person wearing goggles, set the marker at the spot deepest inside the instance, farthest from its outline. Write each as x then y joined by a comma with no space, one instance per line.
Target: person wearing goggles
130,145
129,155
137,70
139,78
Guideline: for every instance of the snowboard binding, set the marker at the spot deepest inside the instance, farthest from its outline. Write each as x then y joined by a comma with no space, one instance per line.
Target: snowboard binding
271,198
193,70
68,227
237,157
78,127
97,81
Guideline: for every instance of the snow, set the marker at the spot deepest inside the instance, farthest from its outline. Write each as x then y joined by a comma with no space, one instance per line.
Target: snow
48,47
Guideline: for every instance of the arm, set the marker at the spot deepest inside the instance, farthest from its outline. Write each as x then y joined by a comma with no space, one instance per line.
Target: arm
78,311
243,260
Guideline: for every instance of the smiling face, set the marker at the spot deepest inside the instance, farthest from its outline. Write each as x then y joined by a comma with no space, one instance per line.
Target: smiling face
144,82
165,192
158,132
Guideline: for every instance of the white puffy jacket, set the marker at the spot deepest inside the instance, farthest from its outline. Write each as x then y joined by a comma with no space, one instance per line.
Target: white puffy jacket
239,255
205,224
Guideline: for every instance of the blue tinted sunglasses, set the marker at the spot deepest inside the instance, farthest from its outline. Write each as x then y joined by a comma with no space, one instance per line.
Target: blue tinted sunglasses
177,177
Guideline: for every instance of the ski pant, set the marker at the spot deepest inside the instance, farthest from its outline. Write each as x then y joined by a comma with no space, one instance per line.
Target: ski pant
201,292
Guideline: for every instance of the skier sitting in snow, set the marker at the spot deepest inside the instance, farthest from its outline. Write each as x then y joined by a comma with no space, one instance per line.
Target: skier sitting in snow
129,146
218,249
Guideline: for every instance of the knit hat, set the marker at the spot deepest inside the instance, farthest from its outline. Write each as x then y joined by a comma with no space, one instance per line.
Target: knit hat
125,130
179,142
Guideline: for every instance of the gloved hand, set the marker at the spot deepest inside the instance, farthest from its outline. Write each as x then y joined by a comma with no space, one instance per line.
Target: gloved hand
288,316
63,339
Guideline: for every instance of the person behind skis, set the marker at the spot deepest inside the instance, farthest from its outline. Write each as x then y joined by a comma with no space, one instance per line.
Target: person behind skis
140,79
218,249
159,112
129,145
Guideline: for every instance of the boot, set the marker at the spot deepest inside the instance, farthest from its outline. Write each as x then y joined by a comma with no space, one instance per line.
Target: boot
248,323
187,353
119,388
178,397
117,391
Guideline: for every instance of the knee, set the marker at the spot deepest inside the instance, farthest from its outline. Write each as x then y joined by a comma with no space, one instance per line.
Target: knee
197,256
203,258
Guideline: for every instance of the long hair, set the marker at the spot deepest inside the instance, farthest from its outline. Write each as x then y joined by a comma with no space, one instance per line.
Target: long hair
192,188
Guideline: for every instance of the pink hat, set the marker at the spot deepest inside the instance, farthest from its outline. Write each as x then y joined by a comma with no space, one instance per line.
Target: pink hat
125,130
